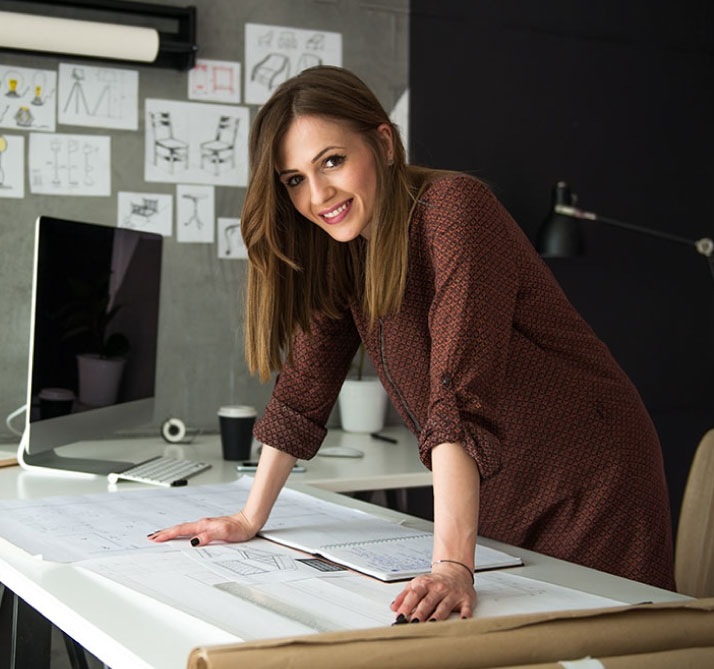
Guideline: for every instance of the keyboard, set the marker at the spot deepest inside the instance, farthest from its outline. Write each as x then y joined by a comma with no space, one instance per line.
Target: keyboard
169,472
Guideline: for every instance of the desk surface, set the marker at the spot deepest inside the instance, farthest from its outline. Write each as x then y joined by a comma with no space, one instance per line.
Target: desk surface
124,628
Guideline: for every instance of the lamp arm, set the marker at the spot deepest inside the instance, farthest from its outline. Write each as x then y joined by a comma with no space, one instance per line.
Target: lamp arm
705,246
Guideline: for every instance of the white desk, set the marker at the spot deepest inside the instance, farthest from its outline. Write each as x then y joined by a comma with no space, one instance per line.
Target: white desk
124,628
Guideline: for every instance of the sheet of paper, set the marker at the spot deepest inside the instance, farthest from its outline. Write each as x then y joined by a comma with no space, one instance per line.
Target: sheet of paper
276,53
70,164
196,143
100,97
230,241
12,166
195,212
27,98
255,590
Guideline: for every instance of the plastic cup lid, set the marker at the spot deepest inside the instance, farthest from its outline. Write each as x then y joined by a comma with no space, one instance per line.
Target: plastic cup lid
237,411
57,394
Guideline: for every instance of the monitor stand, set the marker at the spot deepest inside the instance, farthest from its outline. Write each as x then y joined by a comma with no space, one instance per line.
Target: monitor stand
50,459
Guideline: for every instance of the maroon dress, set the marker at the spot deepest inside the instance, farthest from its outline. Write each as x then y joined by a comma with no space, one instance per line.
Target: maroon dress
487,351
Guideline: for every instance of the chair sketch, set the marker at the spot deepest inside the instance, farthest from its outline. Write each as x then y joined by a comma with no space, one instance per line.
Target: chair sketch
272,70
221,149
146,209
166,146
308,60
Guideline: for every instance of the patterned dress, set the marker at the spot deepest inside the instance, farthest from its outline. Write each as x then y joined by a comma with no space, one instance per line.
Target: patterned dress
487,351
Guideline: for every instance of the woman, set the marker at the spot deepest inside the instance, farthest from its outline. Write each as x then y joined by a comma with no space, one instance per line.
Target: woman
533,433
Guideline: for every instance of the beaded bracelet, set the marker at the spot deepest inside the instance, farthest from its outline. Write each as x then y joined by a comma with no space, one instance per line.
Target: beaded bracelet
456,562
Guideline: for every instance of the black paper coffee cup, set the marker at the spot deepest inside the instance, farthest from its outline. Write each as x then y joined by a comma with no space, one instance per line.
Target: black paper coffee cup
236,424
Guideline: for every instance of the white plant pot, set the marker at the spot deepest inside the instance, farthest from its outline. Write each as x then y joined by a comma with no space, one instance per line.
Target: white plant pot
363,405
99,379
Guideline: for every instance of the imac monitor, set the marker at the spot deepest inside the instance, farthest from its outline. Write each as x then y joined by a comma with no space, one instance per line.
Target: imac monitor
93,339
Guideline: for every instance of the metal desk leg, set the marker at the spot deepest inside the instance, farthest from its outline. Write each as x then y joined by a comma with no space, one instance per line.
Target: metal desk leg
24,633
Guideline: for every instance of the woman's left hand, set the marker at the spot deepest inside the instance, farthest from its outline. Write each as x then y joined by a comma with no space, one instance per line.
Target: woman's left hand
436,595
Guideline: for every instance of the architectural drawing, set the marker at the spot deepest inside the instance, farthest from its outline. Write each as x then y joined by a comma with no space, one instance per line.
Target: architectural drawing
151,212
12,164
215,81
192,142
69,164
27,98
195,213
275,53
230,241
100,97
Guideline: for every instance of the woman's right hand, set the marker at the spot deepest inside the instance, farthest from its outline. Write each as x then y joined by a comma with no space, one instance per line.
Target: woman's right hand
234,528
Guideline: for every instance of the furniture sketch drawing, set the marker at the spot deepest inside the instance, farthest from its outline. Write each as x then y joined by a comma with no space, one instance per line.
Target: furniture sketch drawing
221,149
146,209
272,70
194,218
166,146
308,60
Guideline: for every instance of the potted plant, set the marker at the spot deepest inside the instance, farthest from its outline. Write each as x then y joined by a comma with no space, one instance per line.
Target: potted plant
101,363
362,400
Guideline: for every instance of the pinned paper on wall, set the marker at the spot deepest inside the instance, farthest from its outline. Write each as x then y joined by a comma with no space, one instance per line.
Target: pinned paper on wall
193,142
400,117
100,97
27,98
70,164
215,81
12,166
276,53
150,212
230,240
195,206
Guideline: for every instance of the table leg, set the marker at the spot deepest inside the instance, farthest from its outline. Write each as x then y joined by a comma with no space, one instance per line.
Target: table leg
23,632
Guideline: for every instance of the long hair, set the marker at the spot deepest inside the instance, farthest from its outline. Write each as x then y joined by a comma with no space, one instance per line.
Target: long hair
296,269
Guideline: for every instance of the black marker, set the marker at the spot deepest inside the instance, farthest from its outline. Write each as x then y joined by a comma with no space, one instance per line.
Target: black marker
382,437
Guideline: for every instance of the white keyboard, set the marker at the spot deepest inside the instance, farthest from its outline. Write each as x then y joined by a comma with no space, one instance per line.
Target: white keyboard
169,472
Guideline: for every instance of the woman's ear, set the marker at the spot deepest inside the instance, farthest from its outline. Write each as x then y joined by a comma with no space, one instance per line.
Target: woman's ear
384,132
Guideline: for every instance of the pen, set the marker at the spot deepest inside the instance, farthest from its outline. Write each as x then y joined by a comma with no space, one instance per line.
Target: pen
382,437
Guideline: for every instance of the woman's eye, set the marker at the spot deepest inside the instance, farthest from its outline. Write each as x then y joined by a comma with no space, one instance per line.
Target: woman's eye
334,161
293,181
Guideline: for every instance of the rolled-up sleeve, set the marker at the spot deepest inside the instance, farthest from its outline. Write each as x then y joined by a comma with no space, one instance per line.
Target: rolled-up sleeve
306,389
470,324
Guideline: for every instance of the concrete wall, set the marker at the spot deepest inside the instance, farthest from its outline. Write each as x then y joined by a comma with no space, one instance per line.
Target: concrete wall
201,361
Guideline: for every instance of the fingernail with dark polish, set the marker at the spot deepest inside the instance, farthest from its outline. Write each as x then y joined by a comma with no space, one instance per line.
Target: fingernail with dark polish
401,619
414,620
195,541
432,620
463,617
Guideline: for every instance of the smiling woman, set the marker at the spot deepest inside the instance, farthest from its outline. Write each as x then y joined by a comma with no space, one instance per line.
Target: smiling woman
534,434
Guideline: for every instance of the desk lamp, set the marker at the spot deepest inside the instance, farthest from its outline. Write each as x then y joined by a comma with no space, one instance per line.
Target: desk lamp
559,237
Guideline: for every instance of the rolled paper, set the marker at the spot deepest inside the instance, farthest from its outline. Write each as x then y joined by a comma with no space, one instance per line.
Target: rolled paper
31,32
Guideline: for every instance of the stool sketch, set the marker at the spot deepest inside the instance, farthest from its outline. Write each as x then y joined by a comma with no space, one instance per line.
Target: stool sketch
76,93
194,218
166,147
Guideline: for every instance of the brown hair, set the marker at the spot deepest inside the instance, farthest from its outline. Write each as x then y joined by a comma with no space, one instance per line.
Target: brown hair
297,269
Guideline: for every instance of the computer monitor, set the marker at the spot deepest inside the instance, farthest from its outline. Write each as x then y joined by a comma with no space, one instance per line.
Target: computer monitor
93,339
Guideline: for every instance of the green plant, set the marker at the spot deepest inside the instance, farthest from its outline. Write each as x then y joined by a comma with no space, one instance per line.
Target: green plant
87,315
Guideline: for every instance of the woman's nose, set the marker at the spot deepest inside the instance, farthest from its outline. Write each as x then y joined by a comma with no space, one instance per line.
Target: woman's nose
321,190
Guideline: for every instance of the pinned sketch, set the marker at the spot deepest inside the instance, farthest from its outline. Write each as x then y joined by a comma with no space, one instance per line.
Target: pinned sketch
151,212
70,164
400,117
195,213
100,97
27,98
12,166
191,142
276,53
215,81
230,240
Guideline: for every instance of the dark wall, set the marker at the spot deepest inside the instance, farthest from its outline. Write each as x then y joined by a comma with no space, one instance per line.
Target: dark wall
618,100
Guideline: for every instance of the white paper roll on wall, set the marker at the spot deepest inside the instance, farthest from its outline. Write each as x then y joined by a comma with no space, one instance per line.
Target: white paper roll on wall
82,38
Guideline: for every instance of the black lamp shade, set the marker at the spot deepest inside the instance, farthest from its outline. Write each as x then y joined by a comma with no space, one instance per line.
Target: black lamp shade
559,236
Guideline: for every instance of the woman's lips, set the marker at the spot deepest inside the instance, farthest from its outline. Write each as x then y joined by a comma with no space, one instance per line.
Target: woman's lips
336,214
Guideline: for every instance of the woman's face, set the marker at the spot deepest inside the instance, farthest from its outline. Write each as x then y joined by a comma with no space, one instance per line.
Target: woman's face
330,174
